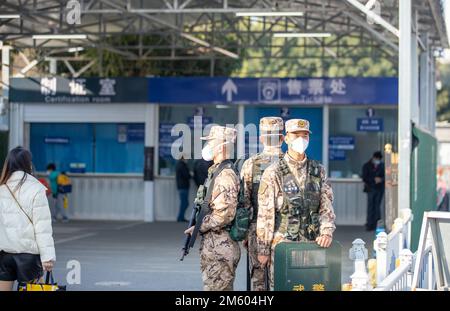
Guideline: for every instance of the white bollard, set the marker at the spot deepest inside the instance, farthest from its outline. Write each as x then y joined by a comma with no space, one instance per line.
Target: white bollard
379,246
360,278
406,257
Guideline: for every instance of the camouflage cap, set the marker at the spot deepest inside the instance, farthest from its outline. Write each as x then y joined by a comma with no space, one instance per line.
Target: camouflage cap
273,125
297,125
222,133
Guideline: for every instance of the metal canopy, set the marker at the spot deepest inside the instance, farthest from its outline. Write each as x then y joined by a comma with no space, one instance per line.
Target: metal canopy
210,29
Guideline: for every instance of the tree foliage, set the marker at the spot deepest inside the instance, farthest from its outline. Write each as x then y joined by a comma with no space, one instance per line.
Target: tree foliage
443,96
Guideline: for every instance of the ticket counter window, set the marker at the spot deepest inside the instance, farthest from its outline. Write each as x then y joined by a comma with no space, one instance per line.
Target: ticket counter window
88,148
355,134
183,115
314,115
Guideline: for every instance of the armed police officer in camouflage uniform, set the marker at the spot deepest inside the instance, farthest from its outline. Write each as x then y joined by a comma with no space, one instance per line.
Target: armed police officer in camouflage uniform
294,198
271,137
219,254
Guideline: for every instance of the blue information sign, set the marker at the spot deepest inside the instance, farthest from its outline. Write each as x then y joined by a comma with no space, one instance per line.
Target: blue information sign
203,120
207,90
370,125
220,90
337,155
166,139
56,140
130,132
342,142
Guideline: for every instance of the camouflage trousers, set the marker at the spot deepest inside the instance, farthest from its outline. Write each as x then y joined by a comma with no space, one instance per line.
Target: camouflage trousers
219,258
256,271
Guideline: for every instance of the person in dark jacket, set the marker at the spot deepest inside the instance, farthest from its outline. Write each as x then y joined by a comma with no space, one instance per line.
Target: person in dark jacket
201,171
373,177
182,176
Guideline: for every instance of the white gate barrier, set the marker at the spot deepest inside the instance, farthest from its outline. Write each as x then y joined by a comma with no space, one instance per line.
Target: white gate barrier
389,246
394,261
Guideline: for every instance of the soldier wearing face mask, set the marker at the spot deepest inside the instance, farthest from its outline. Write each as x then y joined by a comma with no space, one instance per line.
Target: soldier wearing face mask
271,137
219,254
294,198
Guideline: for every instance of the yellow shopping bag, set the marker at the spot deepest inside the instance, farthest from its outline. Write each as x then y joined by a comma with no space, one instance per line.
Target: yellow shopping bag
39,286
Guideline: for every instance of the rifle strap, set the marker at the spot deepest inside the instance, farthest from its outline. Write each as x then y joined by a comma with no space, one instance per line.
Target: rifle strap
223,165
205,210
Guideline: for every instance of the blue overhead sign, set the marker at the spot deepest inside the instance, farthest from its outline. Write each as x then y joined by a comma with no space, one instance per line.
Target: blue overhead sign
206,90
59,90
223,90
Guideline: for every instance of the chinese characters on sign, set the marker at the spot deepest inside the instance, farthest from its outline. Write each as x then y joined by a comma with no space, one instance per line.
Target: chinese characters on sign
205,90
315,288
370,125
59,90
303,91
77,87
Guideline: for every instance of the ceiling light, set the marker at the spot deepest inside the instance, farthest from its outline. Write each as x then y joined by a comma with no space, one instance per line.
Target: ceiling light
267,14
59,36
301,35
9,16
76,49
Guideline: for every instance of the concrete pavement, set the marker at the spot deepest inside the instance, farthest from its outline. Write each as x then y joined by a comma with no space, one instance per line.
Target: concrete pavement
145,256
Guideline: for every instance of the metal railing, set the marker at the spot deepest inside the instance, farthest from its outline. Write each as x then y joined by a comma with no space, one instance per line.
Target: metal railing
389,246
395,263
399,280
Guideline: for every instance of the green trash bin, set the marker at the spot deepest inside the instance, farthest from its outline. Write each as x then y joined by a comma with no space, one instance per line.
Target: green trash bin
305,266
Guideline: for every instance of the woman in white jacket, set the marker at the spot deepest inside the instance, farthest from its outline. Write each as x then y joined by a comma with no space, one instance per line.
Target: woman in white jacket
26,243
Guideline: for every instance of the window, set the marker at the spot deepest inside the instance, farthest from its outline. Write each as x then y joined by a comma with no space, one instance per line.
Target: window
88,147
313,115
184,114
354,138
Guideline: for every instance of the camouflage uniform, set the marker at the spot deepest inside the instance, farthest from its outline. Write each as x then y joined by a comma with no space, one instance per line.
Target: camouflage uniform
251,174
219,254
271,200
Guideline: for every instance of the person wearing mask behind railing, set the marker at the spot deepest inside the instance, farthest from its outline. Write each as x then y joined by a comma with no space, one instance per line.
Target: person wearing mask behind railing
373,177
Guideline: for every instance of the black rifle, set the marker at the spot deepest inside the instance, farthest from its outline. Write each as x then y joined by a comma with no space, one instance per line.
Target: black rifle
187,241
201,208
196,220
266,278
249,276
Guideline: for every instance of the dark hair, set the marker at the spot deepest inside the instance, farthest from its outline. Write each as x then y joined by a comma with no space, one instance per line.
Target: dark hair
18,159
51,167
378,155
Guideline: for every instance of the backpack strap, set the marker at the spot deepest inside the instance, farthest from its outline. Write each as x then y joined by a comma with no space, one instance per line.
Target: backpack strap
18,204
223,165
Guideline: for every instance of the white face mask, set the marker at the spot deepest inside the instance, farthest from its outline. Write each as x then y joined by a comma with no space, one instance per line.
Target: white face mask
275,138
208,152
300,145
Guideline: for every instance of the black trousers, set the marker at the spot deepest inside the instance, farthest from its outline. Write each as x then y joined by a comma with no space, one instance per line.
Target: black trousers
374,198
